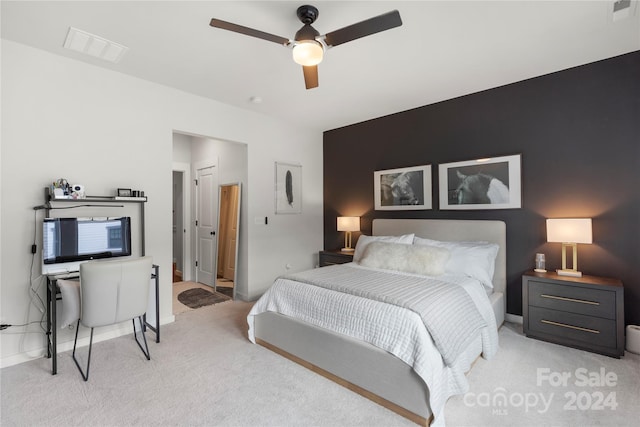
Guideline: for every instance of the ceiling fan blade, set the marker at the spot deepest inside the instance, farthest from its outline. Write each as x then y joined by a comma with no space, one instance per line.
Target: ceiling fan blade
249,31
365,28
310,76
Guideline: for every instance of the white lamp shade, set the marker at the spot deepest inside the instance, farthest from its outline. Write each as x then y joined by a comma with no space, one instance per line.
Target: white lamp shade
348,223
308,52
569,230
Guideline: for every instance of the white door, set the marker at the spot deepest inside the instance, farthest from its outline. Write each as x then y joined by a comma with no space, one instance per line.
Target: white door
206,199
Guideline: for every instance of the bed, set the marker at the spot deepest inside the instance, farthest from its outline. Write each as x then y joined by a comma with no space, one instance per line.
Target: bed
386,375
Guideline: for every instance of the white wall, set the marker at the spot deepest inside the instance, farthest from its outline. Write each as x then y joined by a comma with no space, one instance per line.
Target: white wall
63,118
181,148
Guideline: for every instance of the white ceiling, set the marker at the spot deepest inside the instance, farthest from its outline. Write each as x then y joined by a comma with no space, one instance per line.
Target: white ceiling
444,49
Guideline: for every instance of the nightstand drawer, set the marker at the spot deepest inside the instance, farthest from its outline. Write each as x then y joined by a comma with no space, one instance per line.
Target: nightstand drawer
570,326
335,257
583,312
572,299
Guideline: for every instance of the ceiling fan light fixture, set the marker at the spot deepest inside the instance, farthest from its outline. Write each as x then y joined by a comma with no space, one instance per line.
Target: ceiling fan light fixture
308,52
308,45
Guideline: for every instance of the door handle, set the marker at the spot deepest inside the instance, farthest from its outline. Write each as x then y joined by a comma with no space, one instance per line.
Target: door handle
213,233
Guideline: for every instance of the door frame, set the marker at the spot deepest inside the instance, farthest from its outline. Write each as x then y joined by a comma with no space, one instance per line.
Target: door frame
187,263
237,225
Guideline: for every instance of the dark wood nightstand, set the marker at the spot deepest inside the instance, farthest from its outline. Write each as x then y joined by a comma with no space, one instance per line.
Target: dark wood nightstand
335,257
582,312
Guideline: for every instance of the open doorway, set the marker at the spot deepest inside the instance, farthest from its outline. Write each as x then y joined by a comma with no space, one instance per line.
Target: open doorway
181,237
191,155
179,227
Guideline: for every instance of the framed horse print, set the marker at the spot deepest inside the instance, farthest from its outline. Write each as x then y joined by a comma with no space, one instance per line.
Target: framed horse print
403,189
490,183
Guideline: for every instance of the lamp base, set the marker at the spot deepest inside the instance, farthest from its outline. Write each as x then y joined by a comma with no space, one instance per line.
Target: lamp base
572,273
347,249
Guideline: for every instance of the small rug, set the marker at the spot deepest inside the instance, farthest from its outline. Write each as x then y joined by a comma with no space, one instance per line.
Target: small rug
198,297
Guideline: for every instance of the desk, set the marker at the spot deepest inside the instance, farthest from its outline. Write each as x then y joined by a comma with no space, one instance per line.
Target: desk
52,320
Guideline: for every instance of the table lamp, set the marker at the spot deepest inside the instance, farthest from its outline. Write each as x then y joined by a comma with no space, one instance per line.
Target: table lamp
348,224
569,232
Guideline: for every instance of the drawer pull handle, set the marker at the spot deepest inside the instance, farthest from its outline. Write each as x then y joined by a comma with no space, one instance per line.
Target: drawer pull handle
549,322
581,301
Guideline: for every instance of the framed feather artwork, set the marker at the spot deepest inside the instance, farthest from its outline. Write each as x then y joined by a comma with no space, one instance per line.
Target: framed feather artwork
288,188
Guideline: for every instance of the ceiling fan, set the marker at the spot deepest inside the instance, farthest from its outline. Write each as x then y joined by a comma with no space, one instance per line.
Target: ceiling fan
308,45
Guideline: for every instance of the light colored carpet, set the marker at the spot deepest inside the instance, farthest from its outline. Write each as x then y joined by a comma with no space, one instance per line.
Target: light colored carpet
527,373
201,375
204,372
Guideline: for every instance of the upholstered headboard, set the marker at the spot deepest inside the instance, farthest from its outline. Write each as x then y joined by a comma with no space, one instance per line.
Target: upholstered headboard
455,231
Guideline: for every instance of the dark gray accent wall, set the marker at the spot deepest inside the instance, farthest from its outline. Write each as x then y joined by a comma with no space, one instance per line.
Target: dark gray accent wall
578,132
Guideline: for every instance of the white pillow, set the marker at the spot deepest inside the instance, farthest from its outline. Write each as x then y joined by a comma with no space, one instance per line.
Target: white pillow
473,259
70,291
424,260
364,240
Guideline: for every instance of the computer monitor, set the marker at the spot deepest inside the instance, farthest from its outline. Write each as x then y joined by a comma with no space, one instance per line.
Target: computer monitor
67,242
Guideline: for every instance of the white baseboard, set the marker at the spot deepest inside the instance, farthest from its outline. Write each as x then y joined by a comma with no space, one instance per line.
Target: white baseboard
513,318
124,328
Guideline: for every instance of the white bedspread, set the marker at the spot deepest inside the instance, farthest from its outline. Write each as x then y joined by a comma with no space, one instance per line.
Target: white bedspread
392,328
447,311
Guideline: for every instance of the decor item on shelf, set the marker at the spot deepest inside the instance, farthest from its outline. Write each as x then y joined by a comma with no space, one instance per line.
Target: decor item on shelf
288,188
77,191
540,264
569,232
402,189
348,224
488,183
60,189
124,192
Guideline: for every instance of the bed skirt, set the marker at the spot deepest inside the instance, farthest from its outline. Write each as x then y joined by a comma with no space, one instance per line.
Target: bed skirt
357,365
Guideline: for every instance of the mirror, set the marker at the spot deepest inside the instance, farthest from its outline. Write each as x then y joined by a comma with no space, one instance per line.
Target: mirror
228,238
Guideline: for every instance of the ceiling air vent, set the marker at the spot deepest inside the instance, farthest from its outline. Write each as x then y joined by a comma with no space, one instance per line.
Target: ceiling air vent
96,46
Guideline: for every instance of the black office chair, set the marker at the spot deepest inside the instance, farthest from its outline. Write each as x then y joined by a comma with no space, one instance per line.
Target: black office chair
112,292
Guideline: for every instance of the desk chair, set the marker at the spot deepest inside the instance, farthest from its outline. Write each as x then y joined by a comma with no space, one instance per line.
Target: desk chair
112,292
